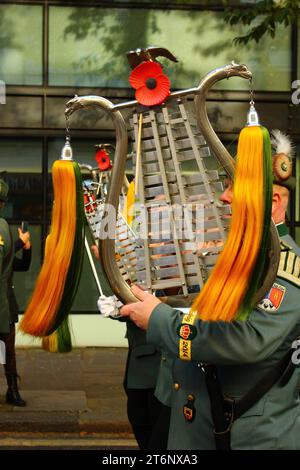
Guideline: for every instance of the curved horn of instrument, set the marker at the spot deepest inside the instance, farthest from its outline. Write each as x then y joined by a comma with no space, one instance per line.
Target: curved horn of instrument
208,132
228,162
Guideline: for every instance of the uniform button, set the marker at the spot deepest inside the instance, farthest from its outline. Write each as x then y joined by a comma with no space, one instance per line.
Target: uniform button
163,358
176,386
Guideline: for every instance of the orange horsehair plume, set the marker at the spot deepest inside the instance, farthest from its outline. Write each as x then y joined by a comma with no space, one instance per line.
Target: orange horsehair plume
223,294
60,340
45,301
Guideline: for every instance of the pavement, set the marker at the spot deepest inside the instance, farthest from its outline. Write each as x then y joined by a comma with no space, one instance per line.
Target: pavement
74,399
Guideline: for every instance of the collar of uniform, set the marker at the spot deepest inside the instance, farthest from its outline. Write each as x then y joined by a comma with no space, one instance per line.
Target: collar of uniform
282,229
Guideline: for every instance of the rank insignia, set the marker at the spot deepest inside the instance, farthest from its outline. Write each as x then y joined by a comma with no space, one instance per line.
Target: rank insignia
186,332
1,241
189,410
274,298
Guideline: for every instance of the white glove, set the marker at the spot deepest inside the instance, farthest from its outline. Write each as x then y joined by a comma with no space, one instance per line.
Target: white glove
109,306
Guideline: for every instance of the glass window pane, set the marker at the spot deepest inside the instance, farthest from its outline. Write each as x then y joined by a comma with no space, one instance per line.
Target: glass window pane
231,116
22,160
89,118
21,111
21,32
87,47
208,3
24,281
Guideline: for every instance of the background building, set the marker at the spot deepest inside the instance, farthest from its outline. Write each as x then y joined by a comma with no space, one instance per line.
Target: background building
51,50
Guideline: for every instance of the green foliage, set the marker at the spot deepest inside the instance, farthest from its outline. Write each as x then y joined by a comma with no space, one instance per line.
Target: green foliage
263,18
118,35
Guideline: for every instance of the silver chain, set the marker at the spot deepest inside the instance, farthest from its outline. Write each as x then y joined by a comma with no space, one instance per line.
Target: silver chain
67,127
251,92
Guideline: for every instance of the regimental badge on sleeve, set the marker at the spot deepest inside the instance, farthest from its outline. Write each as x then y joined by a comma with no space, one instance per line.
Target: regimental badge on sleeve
186,332
272,302
1,241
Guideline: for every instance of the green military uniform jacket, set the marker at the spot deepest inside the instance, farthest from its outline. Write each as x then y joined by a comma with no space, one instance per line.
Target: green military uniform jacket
6,259
163,390
143,360
243,352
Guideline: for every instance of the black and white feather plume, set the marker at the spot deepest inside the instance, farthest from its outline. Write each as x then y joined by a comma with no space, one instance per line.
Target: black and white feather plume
282,143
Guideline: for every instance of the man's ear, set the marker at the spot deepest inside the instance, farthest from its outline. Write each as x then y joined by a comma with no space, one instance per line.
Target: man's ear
276,200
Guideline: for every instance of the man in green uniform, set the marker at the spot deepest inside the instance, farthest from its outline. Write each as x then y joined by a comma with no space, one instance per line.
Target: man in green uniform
243,352
145,412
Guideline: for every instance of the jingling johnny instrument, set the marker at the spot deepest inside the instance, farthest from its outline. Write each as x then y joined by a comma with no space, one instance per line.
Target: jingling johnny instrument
167,131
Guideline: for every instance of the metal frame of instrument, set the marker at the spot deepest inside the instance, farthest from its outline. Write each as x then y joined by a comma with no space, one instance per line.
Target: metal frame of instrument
169,136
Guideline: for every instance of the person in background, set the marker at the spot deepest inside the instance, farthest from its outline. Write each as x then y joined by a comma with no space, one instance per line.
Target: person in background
144,410
8,305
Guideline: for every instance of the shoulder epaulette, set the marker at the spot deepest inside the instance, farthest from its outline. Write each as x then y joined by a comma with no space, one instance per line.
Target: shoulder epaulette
284,246
289,265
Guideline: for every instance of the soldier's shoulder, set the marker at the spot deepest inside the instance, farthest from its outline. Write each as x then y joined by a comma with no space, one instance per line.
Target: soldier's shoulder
3,222
289,264
3,227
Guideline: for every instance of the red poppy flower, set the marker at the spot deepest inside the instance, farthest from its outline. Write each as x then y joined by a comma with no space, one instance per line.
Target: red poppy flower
103,160
151,84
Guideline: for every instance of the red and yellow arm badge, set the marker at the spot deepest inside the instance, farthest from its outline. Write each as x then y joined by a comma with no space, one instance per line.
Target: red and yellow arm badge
186,332
274,298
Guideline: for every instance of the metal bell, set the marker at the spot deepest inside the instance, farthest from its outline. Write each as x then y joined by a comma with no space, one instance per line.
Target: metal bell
252,116
67,153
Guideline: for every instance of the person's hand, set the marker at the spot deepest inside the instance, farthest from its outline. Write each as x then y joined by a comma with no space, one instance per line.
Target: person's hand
140,312
25,237
108,306
95,251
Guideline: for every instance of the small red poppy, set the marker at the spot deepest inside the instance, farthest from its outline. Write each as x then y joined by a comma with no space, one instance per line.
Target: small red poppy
151,84
103,160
